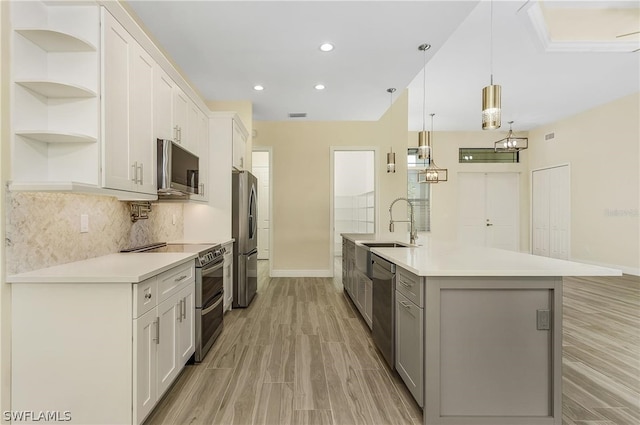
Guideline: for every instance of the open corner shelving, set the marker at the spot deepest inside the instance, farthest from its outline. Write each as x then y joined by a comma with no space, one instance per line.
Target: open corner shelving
46,136
55,89
56,41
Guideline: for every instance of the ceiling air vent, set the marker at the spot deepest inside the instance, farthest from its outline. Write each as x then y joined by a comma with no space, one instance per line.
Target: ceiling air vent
549,136
297,115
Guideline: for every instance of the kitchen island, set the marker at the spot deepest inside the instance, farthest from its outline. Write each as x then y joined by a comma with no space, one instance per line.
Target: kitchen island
479,331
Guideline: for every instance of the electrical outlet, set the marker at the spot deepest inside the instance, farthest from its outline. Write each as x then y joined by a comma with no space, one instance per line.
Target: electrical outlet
84,223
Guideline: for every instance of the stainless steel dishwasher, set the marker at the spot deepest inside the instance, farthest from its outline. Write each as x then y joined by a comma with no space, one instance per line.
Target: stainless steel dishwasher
383,330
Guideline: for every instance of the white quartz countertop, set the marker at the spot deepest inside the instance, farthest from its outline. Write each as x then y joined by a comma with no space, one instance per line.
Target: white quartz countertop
437,258
113,268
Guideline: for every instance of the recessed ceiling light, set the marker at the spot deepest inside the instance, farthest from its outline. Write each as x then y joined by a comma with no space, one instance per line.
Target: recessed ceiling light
319,86
326,47
258,87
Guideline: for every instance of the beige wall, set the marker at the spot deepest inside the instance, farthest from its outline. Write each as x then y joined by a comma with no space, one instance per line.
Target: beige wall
444,196
602,147
302,182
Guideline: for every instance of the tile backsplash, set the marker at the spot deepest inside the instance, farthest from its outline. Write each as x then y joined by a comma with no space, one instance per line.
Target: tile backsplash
43,229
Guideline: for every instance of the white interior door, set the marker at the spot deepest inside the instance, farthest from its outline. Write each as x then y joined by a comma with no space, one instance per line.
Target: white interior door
551,199
260,168
540,213
488,212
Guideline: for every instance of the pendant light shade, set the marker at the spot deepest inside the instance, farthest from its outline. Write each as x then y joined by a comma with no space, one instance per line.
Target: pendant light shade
424,138
391,156
491,94
511,143
433,173
491,106
391,162
424,141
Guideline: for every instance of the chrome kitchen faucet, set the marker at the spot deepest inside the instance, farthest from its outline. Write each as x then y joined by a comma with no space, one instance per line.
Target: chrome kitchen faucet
412,232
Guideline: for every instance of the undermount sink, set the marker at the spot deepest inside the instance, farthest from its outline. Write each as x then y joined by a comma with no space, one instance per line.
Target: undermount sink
363,254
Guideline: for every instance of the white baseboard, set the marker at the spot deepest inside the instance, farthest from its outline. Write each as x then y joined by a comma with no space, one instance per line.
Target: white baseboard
301,273
625,269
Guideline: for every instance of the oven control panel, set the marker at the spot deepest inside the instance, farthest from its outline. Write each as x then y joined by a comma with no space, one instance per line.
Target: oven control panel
213,255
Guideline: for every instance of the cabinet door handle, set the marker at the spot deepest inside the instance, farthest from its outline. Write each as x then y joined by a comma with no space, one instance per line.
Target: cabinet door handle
184,310
180,134
157,338
135,172
181,278
202,189
141,174
147,296
179,318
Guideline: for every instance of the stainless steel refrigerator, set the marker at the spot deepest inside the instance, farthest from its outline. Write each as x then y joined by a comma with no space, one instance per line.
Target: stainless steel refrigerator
244,230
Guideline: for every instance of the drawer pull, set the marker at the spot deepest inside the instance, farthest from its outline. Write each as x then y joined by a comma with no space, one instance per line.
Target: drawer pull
147,296
181,278
406,285
405,305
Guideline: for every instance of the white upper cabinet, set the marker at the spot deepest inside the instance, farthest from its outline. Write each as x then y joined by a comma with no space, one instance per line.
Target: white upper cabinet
55,102
201,127
163,105
89,102
239,144
127,110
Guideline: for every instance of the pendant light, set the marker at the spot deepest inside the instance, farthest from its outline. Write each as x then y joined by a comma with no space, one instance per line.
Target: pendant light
491,94
391,156
511,143
423,136
433,173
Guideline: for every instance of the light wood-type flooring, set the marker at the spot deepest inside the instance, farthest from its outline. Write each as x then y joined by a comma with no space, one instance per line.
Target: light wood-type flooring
601,351
300,354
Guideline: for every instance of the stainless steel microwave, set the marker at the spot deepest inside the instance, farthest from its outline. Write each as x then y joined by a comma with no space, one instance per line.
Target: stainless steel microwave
177,170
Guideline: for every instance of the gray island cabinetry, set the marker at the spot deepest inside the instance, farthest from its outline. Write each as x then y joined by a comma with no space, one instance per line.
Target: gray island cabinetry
478,331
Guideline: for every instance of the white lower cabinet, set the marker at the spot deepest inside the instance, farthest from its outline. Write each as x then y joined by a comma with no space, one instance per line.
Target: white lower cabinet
186,324
165,341
145,365
168,313
103,351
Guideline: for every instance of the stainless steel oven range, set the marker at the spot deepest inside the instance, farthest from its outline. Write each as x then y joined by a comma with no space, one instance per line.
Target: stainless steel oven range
209,290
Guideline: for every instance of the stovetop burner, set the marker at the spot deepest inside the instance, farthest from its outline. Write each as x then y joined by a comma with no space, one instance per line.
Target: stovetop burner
207,253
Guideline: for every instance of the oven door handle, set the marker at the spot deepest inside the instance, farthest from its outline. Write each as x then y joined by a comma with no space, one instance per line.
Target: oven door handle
212,268
210,309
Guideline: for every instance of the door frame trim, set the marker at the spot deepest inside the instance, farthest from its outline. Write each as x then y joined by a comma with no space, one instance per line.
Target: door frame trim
269,150
376,190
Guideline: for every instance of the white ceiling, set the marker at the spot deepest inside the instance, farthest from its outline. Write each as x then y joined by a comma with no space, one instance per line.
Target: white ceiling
227,47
